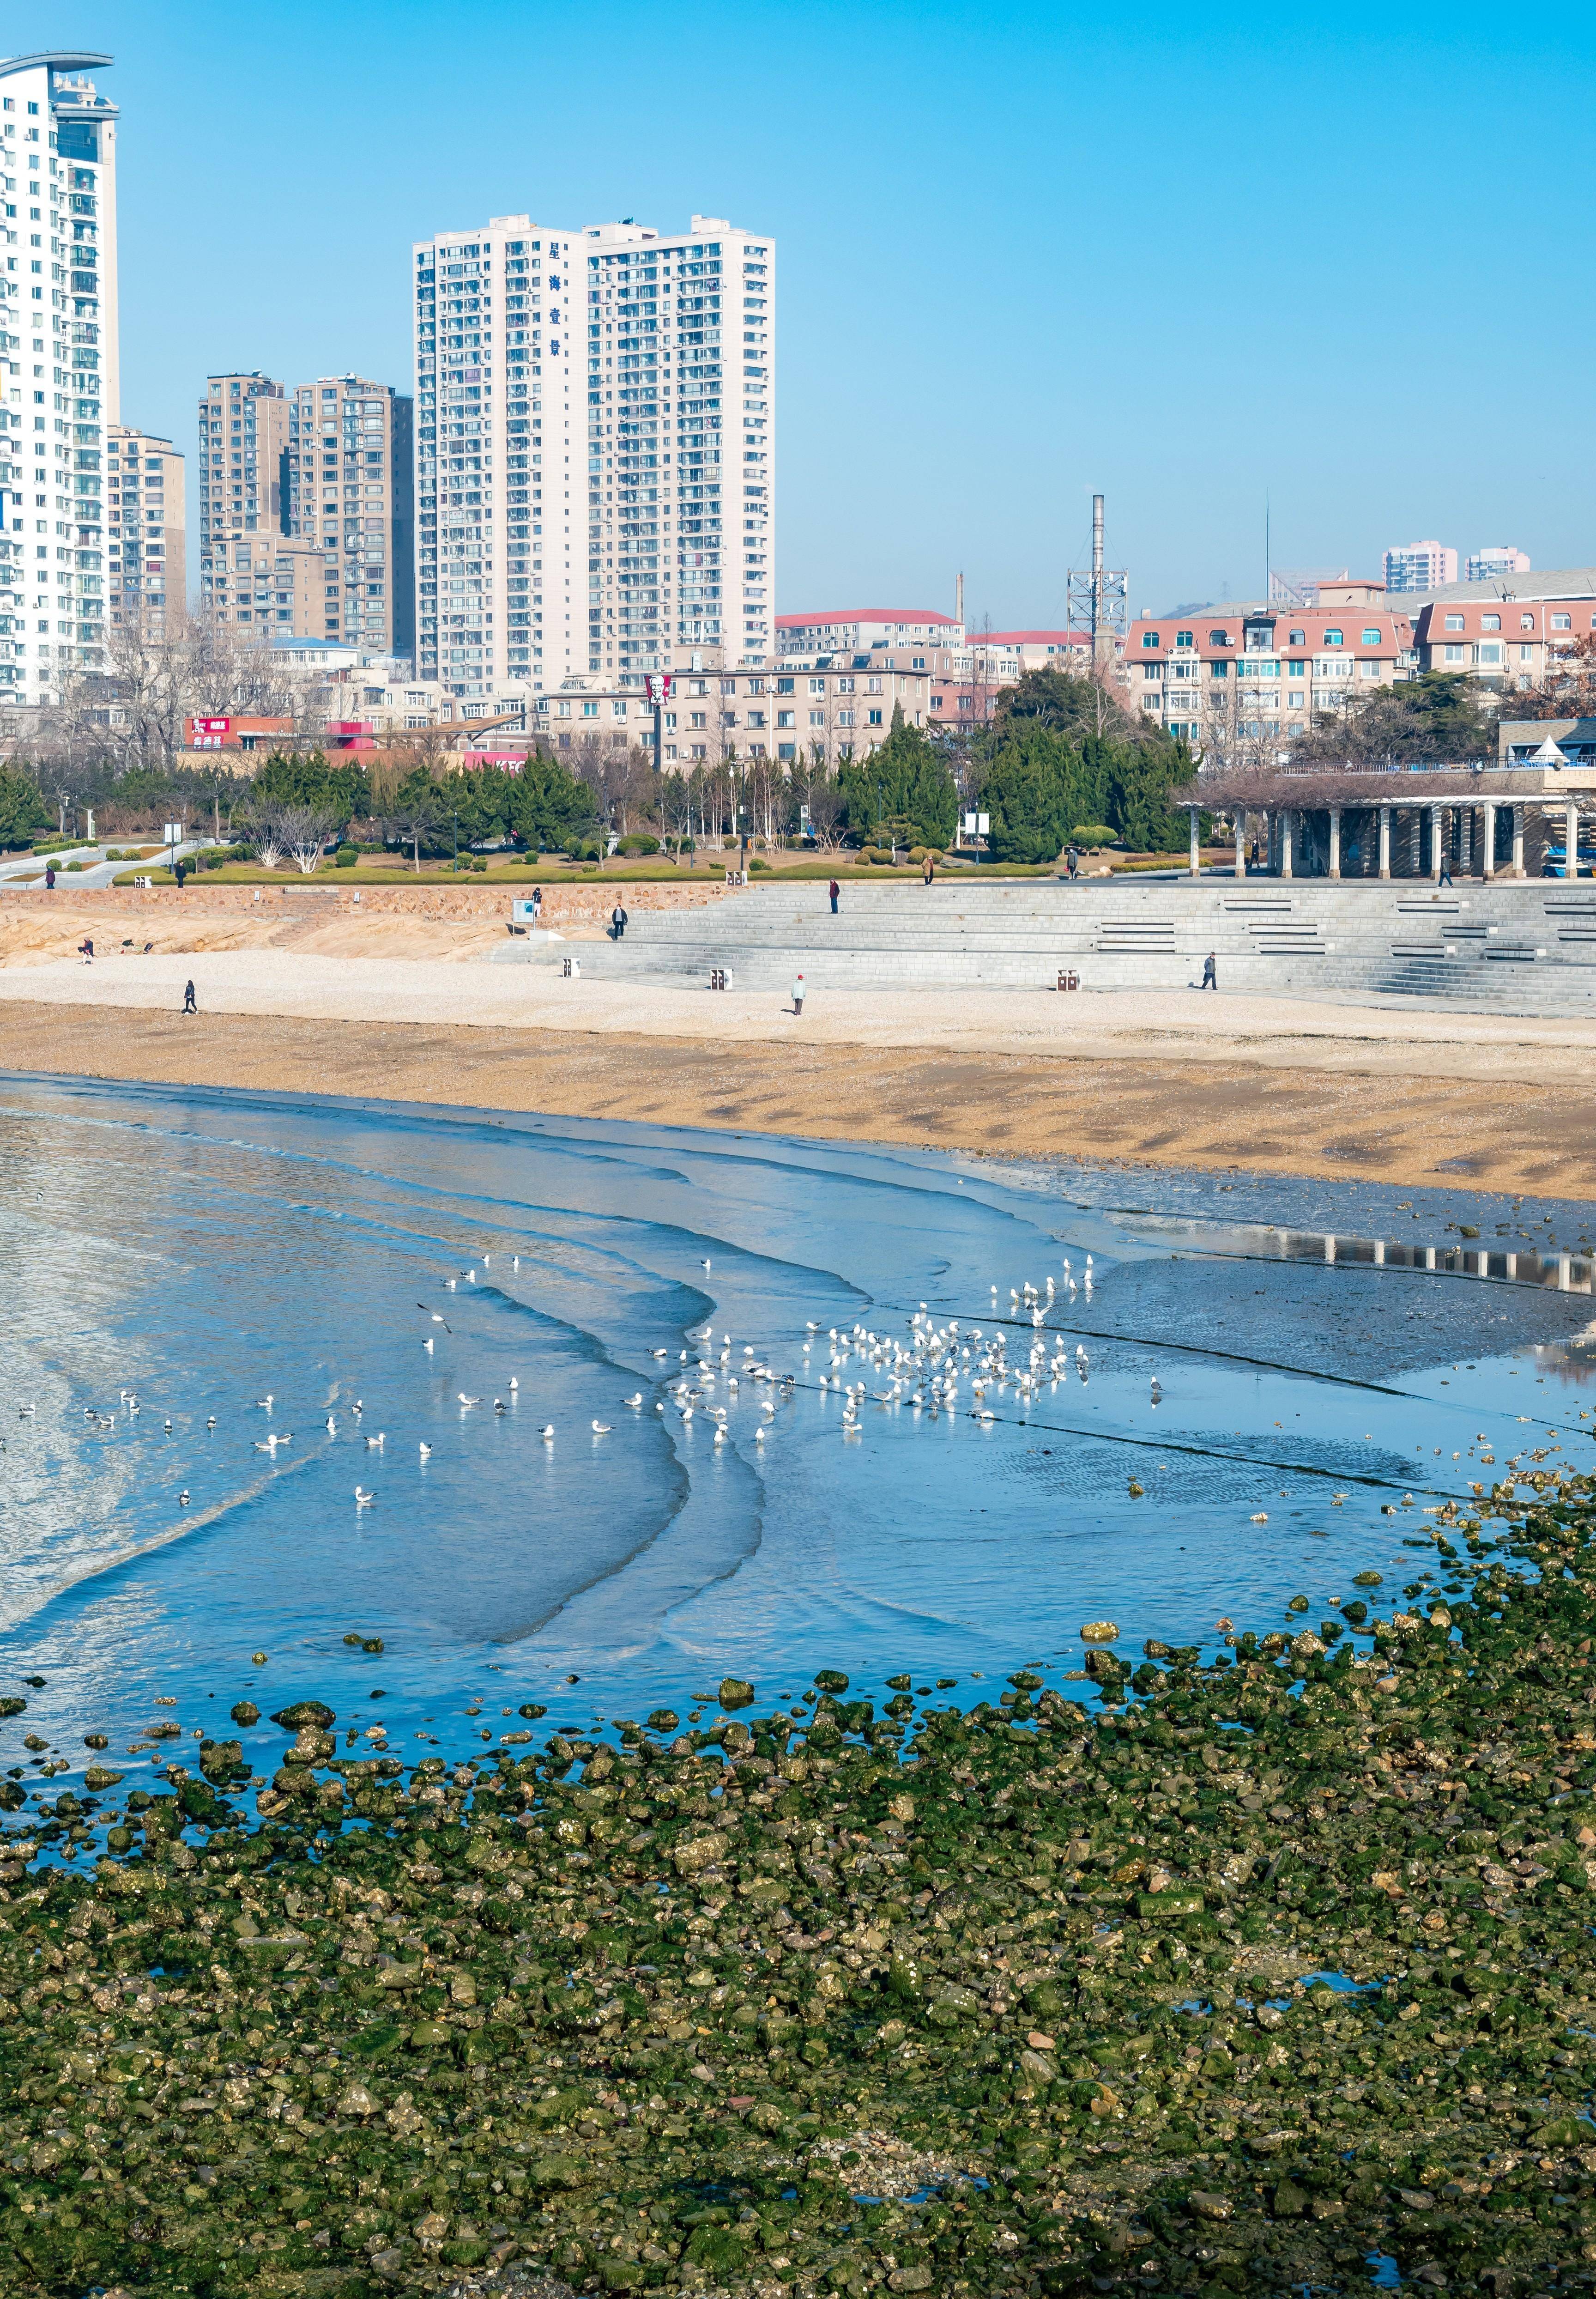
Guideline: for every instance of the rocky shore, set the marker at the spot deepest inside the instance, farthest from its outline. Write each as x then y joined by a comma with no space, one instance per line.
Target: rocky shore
1274,1973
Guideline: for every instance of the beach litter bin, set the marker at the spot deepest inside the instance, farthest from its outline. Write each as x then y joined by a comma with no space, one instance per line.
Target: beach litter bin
571,968
720,977
1068,979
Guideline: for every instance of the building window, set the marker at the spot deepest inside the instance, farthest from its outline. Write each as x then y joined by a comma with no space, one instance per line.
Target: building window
1371,638
1296,638
1453,653
1490,622
1215,638
1526,622
1149,638
1455,622
1183,638
1559,623
1333,638
873,717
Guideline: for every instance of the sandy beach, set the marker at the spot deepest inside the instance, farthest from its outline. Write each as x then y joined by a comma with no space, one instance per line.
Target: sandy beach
1278,1084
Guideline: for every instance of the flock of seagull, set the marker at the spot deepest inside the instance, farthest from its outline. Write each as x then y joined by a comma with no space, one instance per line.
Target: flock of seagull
927,1371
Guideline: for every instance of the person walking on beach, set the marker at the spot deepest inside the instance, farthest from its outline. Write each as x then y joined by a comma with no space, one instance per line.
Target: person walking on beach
1211,979
86,949
1072,864
189,1006
617,922
797,996
835,891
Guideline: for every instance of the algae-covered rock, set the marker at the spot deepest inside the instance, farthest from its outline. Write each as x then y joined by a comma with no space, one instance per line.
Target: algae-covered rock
735,1693
1099,1632
301,1713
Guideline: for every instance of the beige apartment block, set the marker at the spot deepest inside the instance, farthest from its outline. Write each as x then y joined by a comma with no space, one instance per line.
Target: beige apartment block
145,524
243,465
351,488
791,709
265,584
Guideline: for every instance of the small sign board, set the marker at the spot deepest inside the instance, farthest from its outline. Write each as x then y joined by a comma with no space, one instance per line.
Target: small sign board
658,684
172,833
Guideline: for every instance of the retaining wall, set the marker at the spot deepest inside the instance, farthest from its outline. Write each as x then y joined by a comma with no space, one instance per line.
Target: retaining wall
563,904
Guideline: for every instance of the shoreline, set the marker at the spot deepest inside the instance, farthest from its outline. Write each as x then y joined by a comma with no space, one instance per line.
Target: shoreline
1419,1099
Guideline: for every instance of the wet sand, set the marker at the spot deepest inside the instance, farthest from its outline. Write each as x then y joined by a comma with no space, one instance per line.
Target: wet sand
1273,1085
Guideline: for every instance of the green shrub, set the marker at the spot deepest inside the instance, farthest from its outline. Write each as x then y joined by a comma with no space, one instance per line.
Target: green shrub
74,865
758,862
346,857
638,841
1093,835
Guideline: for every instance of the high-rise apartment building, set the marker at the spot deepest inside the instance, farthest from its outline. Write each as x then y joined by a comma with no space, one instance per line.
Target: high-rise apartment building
58,343
145,524
244,458
1420,566
265,583
352,482
595,450
1495,558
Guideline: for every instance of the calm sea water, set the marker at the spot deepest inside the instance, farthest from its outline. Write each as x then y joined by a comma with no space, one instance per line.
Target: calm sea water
201,1251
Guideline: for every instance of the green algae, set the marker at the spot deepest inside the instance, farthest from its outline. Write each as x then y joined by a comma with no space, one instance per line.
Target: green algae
1257,1970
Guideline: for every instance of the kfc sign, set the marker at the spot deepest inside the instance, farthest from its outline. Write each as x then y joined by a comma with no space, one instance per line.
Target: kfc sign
208,731
659,683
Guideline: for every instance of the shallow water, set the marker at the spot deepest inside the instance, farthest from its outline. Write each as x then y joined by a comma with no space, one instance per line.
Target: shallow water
203,1250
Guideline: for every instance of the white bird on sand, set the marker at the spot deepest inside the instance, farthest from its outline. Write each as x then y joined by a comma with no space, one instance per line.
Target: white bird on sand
548,1432
363,1500
468,1401
633,1401
601,1428
426,1452
720,1436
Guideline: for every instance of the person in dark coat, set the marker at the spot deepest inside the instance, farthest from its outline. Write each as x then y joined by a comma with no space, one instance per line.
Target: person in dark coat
189,1006
835,891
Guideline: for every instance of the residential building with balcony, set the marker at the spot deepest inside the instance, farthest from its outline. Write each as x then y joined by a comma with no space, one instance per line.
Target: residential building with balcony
244,471
1494,559
1420,566
352,490
820,708
1256,672
268,584
1507,643
58,349
595,450
854,630
146,532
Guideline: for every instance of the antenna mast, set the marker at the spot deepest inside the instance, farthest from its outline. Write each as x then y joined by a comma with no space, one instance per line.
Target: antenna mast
1099,603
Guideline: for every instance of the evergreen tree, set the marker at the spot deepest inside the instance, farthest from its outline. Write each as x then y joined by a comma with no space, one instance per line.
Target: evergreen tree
342,786
905,789
22,809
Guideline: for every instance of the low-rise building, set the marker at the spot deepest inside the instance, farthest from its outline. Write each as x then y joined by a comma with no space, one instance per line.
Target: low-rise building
145,533
1253,672
818,707
856,630
1506,643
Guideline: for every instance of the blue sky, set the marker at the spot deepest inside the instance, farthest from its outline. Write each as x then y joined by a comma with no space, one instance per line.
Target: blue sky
1185,256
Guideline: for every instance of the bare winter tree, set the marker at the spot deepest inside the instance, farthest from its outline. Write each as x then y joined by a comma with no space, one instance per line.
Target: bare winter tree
304,831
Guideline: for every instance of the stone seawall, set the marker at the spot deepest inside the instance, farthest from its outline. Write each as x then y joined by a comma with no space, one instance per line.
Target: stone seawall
563,904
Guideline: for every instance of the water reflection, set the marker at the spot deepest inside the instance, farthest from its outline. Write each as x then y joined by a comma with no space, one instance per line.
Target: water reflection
1561,1273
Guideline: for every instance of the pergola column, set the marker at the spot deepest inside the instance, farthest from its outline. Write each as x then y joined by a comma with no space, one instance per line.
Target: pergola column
1285,822
1335,842
1195,861
1571,862
1464,842
1384,841
1517,814
1488,859
1435,813
1241,841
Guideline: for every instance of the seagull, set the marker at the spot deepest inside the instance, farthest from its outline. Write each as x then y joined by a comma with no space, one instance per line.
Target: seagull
486,1259
449,1281
514,1382
659,1405
437,1318
468,1401
263,1401
659,1353
705,1265
500,1406
169,1428
514,1261
375,1444
601,1428
357,1408
633,1401
363,1500
25,1412
331,1426
720,1436
183,1497
428,1344
426,1452
759,1436
548,1432
470,1276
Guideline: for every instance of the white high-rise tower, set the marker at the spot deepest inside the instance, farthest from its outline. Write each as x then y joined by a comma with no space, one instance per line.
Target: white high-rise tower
58,343
595,455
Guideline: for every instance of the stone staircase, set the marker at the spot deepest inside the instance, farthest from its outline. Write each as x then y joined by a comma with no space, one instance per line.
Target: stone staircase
1520,947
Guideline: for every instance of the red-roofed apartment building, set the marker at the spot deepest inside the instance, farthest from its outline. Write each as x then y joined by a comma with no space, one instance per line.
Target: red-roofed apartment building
1243,675
1505,642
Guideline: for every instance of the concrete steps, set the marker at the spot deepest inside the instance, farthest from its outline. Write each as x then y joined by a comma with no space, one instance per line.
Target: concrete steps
1509,947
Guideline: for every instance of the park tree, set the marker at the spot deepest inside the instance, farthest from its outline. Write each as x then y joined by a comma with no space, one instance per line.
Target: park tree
22,809
1432,720
905,788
